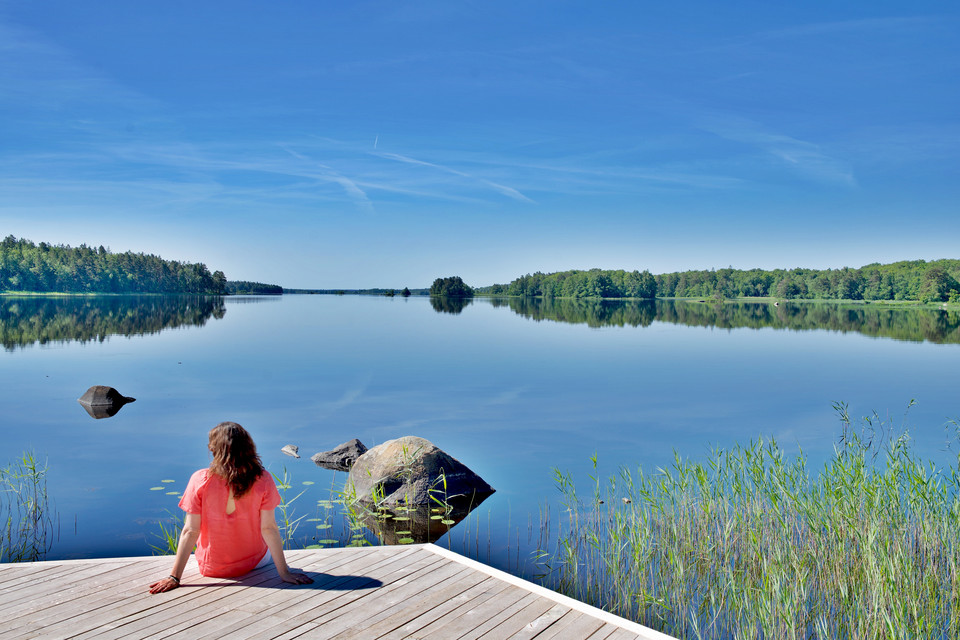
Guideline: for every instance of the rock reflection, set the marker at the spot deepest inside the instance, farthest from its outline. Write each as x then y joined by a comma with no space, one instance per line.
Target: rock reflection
418,524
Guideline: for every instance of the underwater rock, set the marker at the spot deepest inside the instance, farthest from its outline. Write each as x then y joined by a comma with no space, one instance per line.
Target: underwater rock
291,450
340,458
412,471
418,524
101,401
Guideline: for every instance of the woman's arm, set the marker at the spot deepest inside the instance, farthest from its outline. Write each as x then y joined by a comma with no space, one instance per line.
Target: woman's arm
271,535
188,540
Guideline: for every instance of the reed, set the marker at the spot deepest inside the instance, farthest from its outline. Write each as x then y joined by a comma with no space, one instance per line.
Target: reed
28,527
750,544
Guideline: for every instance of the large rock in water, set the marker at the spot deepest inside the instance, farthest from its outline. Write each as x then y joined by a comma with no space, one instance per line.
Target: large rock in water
341,458
409,470
102,401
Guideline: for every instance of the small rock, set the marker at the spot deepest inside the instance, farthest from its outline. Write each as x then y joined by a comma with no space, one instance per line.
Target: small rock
103,395
101,401
291,450
627,500
341,458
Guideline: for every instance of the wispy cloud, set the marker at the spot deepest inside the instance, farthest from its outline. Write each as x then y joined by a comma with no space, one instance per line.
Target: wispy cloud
510,192
804,158
897,24
42,75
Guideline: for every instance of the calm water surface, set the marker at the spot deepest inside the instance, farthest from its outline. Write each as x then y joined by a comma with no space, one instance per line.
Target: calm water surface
511,388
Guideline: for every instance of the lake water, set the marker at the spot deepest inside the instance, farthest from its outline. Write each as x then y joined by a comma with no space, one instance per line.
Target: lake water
512,388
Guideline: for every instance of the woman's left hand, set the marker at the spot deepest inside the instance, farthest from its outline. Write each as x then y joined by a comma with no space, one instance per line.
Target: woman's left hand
296,578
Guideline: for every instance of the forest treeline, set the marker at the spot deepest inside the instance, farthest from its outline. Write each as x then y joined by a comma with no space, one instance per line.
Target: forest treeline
595,283
25,266
935,281
244,287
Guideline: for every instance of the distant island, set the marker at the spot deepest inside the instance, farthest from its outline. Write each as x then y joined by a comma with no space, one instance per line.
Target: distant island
245,288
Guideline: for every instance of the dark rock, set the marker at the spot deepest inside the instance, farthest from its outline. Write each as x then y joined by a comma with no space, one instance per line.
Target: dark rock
411,470
341,458
101,401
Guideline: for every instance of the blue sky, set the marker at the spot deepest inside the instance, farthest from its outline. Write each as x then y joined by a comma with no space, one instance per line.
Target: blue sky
363,144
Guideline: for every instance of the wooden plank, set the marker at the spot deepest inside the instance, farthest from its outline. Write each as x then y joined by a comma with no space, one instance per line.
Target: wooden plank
605,632
12,574
382,593
207,599
85,598
621,634
643,632
466,629
432,598
49,586
323,605
475,620
389,598
452,609
573,625
255,602
534,627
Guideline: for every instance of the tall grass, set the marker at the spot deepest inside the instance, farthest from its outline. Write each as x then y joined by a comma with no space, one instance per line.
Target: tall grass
28,527
750,544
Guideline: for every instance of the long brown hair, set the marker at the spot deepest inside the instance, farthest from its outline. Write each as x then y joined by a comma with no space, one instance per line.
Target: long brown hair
235,457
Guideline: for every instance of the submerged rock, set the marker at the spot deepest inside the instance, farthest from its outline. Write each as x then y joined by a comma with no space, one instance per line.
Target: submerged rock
101,401
408,471
418,524
342,457
291,450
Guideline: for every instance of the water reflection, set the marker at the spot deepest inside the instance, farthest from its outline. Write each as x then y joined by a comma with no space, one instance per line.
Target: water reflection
28,320
443,304
420,523
916,325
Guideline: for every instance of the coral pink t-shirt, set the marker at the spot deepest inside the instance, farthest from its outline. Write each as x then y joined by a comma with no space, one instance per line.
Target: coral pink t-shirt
231,544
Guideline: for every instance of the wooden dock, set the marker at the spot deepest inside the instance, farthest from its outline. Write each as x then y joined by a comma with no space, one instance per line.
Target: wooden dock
415,592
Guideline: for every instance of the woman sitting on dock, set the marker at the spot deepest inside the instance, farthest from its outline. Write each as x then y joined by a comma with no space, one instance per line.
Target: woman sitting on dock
230,517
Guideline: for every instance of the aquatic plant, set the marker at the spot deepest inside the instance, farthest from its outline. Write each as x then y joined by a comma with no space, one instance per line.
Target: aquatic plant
288,523
29,527
168,538
750,544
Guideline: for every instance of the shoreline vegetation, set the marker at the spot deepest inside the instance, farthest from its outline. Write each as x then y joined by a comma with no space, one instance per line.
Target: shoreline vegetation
936,281
43,269
750,543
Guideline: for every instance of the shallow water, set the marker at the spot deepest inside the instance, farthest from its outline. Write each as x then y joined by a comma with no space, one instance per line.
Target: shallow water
511,388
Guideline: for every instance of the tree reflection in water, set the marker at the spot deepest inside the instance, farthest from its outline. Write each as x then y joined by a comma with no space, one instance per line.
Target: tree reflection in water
917,324
26,320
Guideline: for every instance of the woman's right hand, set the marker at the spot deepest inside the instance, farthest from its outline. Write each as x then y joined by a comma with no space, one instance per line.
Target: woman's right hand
165,584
